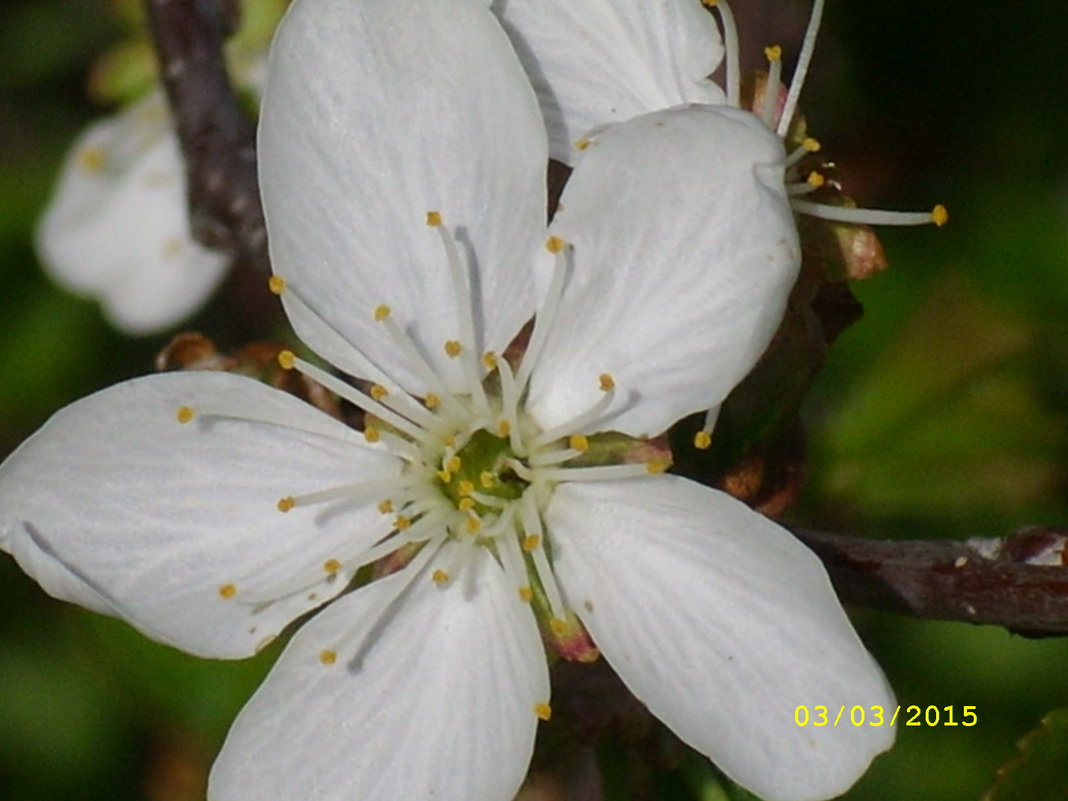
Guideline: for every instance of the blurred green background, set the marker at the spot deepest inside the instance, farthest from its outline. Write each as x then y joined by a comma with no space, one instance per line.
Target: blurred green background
942,413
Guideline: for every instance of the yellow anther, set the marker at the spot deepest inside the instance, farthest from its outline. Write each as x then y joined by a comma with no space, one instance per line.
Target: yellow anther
701,440
487,479
172,247
93,159
582,144
432,401
815,180
811,145
286,359
450,441
400,522
656,466
370,433
578,442
554,244
773,53
466,504
453,464
328,657
381,312
378,392
708,3
607,383
473,524
489,359
939,215
185,414
559,626
453,348
439,576
531,542
227,591
331,566
433,218
526,594
504,428
465,488
543,711
444,476
385,507
277,284
286,503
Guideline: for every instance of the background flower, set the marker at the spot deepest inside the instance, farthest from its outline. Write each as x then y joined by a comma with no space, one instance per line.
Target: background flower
117,228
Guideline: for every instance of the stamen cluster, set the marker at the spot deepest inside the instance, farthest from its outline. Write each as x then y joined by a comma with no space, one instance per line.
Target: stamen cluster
477,470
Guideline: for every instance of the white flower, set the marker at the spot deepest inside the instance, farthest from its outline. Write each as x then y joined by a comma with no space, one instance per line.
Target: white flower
601,62
117,228
210,511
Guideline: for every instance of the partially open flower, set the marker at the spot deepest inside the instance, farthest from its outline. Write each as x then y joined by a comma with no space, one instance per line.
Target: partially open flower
597,63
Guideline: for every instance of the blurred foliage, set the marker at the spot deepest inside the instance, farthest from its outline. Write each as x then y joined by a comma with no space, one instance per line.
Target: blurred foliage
1040,772
942,413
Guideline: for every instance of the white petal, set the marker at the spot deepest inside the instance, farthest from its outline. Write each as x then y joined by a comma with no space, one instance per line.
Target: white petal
117,228
685,251
433,700
601,61
722,624
374,114
116,505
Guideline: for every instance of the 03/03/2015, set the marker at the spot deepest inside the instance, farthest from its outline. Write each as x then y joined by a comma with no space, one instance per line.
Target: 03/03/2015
915,715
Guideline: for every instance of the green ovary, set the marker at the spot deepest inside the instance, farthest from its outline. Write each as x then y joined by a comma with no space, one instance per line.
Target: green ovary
485,455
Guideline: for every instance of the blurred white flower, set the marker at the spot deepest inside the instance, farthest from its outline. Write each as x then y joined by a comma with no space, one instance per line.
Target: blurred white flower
117,228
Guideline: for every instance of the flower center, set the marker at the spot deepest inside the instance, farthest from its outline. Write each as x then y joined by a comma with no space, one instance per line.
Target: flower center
482,467
473,469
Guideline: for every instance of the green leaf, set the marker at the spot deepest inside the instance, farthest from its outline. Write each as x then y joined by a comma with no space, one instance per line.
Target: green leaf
1040,772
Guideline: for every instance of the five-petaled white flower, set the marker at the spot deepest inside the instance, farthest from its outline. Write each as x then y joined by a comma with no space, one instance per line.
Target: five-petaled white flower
402,167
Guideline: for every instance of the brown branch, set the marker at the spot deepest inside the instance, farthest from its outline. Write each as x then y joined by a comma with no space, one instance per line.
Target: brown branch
1022,585
218,140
